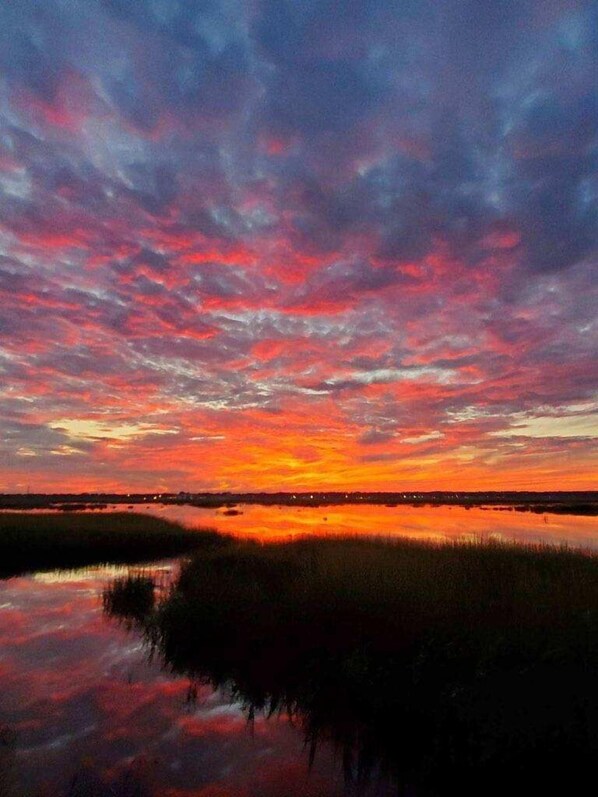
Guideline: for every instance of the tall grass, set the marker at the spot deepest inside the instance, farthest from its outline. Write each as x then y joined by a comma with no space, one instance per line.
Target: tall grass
31,542
463,669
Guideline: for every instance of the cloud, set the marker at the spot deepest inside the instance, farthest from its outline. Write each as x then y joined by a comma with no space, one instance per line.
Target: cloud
578,425
378,219
82,429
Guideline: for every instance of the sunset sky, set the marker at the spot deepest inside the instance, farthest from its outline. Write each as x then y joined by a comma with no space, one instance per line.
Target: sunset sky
253,244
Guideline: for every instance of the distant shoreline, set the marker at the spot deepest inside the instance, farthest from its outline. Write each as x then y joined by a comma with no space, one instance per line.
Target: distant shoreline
560,502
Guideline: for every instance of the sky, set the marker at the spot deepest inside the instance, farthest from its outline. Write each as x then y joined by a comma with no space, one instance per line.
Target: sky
275,245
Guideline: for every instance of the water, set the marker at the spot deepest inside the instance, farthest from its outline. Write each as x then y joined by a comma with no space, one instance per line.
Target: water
84,711
438,523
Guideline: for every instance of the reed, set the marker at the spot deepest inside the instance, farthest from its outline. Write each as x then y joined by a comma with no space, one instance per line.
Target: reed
30,542
451,669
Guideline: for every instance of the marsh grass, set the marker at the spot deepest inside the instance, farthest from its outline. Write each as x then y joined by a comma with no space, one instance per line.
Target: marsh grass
452,669
131,597
30,542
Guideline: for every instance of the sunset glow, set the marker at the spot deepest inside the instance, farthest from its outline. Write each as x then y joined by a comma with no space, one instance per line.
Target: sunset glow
283,245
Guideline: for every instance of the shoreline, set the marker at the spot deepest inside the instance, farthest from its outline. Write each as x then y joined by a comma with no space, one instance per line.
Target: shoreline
557,502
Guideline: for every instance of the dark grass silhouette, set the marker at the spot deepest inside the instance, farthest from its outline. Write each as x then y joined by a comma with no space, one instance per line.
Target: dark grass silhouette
31,542
466,669
131,597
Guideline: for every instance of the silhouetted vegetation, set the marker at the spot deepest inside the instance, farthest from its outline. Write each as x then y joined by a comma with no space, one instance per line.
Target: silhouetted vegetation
8,772
465,669
574,502
31,542
131,598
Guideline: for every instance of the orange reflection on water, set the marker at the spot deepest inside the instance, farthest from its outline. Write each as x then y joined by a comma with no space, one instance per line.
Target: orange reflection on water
439,523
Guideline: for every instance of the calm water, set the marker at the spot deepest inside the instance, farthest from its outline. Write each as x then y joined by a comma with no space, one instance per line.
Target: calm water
83,711
442,523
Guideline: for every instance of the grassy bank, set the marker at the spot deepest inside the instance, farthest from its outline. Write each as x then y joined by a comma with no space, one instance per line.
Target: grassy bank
453,669
31,542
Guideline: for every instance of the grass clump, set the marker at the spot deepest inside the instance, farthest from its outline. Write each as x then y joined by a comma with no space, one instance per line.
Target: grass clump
30,542
453,669
131,597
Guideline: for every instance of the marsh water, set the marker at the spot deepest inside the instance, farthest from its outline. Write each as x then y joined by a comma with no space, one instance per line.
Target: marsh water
438,523
85,710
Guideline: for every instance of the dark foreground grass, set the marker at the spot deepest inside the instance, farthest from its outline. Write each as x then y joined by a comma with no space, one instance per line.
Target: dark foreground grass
451,670
30,542
131,597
